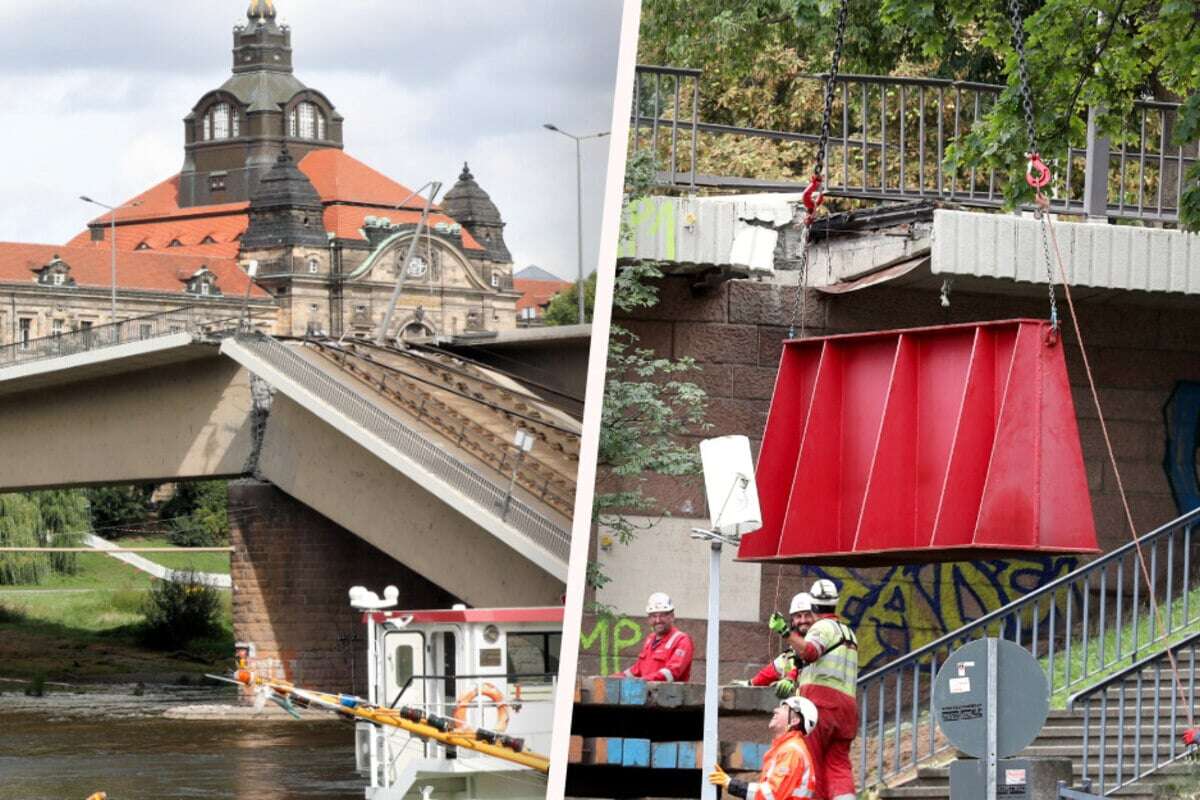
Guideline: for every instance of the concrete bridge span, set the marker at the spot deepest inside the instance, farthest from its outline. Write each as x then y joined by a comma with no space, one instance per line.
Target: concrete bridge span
183,406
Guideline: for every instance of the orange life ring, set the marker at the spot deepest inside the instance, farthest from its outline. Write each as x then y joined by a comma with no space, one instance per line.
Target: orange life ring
490,692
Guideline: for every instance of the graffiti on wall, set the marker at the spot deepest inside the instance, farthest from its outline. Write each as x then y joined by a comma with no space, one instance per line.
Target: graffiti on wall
608,638
1182,417
899,609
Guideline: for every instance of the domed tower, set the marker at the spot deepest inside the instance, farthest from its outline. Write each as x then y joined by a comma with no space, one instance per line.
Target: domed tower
234,133
470,205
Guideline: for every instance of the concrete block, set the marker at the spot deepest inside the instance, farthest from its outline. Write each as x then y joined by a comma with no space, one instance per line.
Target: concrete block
664,755
635,753
632,692
689,755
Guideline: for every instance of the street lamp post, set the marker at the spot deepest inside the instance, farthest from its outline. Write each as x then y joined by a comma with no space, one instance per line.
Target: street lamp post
112,218
578,202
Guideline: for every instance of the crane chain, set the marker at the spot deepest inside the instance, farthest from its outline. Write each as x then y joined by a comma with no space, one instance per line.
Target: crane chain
814,191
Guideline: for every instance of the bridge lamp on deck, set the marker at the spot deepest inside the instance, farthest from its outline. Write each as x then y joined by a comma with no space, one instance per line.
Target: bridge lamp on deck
733,507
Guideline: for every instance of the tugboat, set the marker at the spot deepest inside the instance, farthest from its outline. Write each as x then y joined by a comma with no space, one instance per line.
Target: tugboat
460,703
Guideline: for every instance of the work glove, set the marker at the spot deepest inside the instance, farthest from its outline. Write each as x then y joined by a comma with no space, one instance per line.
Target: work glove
778,624
784,688
718,777
740,683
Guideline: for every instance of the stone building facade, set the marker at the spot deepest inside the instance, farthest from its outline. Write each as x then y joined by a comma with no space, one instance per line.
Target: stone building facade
265,182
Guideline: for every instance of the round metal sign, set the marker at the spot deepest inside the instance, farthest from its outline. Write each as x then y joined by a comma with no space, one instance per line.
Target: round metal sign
960,698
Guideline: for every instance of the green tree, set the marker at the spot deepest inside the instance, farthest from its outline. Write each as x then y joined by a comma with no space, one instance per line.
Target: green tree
564,306
1103,54
20,526
65,519
114,508
40,519
649,406
198,514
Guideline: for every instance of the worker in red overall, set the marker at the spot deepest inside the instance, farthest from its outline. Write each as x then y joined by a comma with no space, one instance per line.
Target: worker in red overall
667,652
829,651
784,670
789,772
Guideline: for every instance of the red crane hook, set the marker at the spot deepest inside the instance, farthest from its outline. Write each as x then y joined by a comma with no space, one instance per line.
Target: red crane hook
1036,165
813,197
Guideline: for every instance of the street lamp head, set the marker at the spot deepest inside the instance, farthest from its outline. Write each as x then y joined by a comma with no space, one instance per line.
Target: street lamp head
86,199
550,127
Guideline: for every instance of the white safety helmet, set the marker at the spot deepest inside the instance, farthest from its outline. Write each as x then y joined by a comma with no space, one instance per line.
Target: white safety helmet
824,592
659,603
803,716
801,602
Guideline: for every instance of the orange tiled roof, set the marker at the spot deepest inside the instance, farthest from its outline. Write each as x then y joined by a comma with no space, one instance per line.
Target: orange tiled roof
137,271
191,233
350,190
536,293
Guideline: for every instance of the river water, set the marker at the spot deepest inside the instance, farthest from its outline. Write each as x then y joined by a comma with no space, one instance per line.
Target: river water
66,746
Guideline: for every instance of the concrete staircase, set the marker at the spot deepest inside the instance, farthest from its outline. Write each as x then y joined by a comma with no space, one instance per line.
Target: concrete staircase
1063,735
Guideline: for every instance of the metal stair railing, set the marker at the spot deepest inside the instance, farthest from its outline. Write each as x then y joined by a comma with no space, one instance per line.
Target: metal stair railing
554,538
1108,707
890,139
1081,626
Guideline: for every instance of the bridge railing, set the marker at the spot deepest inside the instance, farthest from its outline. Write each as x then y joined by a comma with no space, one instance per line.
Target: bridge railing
540,529
1082,627
890,139
185,319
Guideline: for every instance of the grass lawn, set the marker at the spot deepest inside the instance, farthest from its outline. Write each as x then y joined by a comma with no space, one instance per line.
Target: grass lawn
1102,652
85,627
200,562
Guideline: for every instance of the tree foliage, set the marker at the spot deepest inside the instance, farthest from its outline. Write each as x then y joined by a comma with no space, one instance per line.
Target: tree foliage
649,405
197,514
1104,54
564,306
119,510
40,519
180,611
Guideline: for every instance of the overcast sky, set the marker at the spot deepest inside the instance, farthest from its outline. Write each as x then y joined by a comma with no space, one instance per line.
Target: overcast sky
94,93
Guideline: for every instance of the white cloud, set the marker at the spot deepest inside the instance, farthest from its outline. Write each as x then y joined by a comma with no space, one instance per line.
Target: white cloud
95,93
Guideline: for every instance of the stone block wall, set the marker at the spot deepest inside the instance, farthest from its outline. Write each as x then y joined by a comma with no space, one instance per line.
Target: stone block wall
292,569
1139,345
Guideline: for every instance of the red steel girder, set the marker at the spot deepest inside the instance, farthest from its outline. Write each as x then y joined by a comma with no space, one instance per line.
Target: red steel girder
947,443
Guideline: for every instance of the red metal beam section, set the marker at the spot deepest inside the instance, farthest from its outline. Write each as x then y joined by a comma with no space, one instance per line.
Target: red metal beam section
930,444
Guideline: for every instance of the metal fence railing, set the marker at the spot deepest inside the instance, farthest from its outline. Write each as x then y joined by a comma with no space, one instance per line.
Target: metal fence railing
553,537
1082,627
186,319
889,141
1133,720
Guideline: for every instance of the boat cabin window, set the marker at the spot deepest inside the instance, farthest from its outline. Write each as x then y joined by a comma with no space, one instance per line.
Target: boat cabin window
449,668
533,654
404,666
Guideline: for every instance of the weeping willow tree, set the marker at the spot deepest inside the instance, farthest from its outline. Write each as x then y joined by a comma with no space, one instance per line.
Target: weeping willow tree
40,519
65,521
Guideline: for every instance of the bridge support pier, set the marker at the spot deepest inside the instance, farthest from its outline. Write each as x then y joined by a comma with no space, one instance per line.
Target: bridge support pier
292,568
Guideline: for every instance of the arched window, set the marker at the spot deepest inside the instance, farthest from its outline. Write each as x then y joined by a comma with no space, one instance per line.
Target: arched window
306,121
221,122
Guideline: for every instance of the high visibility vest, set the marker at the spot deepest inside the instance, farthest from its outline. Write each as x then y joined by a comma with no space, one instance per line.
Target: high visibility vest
837,666
787,772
